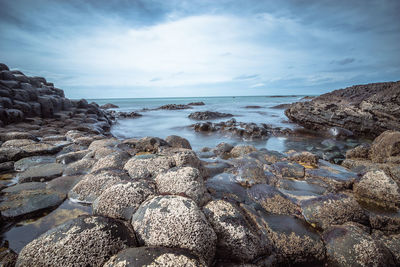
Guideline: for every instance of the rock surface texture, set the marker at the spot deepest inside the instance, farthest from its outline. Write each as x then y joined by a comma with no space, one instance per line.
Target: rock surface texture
363,109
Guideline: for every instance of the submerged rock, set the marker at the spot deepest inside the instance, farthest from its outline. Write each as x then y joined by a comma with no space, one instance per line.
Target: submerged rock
174,221
208,115
86,240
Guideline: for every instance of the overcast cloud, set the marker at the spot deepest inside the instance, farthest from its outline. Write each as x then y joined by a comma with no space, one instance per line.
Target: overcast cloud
101,49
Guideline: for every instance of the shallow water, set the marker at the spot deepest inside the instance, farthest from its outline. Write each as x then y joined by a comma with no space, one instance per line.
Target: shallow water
162,123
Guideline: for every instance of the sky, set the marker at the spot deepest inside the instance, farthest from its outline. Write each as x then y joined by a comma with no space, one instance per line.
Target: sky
170,48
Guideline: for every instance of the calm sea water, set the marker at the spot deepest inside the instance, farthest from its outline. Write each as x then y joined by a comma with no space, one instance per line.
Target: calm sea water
161,123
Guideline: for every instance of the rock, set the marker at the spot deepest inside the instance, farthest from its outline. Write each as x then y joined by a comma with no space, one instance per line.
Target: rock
224,186
384,220
208,115
289,169
393,244
148,166
30,200
305,158
18,143
281,106
8,257
339,132
350,246
241,150
41,173
92,186
39,149
223,149
177,141
174,221
121,201
386,148
16,135
174,107
236,239
214,168
272,201
3,67
332,209
72,156
200,103
25,163
378,188
64,183
359,152
154,256
11,154
115,160
363,109
108,106
7,166
248,172
185,181
84,241
253,107
79,167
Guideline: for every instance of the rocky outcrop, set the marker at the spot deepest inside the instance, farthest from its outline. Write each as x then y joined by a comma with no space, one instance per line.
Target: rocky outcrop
366,110
208,115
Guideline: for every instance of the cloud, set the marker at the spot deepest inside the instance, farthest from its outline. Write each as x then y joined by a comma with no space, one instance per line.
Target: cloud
181,47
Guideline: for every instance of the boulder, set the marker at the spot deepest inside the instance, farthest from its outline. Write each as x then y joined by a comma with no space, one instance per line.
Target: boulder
305,158
79,167
3,67
332,209
178,142
185,181
115,161
236,239
363,109
386,148
378,188
121,201
241,150
177,222
359,152
108,106
289,169
154,256
147,166
348,245
84,241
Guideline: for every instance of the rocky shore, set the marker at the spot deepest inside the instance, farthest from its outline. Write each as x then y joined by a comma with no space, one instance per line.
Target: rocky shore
155,202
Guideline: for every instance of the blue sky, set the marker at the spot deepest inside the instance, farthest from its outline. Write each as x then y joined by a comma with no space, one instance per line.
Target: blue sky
165,48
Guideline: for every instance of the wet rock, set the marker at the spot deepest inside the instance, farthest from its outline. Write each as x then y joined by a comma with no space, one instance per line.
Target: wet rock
16,135
115,160
364,109
146,144
170,221
39,149
392,242
154,256
18,143
200,103
299,190
208,115
241,150
84,241
214,168
359,152
224,186
252,107
177,141
148,166
350,246
339,132
293,240
25,163
386,148
121,201
28,200
237,240
305,158
272,200
79,167
41,173
97,144
93,185
223,149
248,172
7,166
186,158
72,156
185,181
64,183
332,209
174,107
108,106
377,187
289,169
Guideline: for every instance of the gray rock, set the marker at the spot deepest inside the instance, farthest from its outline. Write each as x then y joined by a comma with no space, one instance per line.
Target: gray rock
25,163
84,241
16,135
177,141
224,186
386,148
8,257
208,115
359,152
241,150
332,209
115,160
148,166
185,181
236,239
18,143
121,201
72,156
79,167
289,169
306,158
174,221
377,187
7,166
154,256
41,173
64,183
350,246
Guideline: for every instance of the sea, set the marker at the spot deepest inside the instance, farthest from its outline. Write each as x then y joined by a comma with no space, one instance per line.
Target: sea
162,123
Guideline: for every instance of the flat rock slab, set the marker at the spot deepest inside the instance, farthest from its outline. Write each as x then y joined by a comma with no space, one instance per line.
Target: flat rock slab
25,163
28,201
45,172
